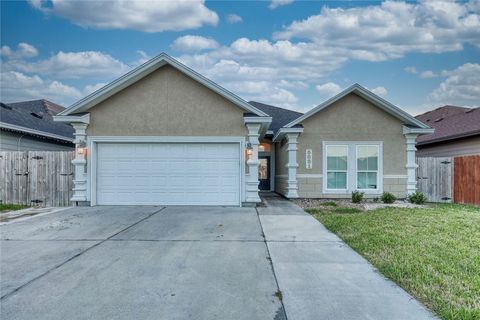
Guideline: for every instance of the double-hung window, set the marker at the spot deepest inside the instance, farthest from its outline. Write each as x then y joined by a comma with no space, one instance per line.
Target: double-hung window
367,167
337,167
350,166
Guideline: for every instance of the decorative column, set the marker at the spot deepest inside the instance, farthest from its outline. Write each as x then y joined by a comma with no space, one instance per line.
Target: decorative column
411,165
80,163
251,194
292,165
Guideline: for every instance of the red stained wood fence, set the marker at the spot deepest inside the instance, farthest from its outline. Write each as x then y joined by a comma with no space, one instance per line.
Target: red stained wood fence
466,185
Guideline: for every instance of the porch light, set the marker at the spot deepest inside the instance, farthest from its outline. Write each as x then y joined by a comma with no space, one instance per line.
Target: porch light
249,149
82,148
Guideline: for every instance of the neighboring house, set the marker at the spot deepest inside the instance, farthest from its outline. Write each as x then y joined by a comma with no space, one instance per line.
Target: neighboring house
164,134
29,126
457,132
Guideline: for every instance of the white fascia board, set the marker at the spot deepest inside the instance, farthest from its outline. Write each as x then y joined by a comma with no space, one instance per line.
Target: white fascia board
282,131
419,131
145,69
263,121
369,96
71,119
34,132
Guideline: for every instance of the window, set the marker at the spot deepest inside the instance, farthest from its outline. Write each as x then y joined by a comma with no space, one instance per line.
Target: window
337,167
349,166
367,167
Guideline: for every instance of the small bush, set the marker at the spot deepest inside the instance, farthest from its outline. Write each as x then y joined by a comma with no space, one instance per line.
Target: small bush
357,196
330,204
387,197
376,199
417,198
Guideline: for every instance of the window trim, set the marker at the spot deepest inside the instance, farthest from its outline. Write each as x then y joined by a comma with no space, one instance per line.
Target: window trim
326,168
352,167
367,171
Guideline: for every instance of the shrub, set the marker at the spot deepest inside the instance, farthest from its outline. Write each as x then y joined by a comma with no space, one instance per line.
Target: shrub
387,197
417,198
376,199
357,196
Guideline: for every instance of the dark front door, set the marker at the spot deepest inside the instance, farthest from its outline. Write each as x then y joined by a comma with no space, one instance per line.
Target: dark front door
264,173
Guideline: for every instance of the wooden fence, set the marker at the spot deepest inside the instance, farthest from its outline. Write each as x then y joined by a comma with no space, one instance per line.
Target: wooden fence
467,180
450,179
43,178
434,178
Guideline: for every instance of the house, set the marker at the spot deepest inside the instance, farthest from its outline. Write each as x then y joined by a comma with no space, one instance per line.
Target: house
29,126
457,132
164,134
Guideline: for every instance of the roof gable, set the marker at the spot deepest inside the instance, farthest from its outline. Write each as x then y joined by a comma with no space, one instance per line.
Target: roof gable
369,96
145,69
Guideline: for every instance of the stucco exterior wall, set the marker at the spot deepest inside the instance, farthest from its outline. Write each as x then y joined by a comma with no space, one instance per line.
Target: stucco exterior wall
461,147
351,119
166,103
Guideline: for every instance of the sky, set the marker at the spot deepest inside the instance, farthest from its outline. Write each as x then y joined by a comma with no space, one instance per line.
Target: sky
291,54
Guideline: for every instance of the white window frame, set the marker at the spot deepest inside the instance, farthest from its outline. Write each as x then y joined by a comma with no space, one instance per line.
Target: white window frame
325,168
352,166
376,171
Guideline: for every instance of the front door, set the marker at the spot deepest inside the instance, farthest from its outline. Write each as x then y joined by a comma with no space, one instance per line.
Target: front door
264,173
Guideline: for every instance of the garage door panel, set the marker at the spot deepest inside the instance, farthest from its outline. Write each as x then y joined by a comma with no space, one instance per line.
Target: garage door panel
168,173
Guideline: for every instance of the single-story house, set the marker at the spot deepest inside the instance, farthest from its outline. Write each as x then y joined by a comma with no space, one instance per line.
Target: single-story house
164,134
457,132
29,126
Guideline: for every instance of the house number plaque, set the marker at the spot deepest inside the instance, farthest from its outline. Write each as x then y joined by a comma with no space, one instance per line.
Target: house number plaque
308,158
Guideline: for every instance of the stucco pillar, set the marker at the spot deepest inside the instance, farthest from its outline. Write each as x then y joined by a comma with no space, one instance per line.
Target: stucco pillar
411,165
292,165
251,194
80,162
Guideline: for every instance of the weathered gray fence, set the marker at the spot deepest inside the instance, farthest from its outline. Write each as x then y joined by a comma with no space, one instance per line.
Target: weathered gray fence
43,178
435,178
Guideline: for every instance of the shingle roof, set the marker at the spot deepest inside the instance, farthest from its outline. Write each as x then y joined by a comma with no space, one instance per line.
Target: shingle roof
36,115
450,122
280,116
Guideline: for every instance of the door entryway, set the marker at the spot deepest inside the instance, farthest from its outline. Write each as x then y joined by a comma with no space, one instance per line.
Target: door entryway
264,173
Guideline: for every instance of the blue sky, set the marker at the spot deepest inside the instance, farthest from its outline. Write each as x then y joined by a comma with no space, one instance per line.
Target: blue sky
293,54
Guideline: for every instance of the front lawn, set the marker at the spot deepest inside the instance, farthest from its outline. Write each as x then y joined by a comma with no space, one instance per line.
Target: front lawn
433,253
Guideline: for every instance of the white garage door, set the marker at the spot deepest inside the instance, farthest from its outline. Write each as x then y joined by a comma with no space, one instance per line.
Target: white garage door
168,173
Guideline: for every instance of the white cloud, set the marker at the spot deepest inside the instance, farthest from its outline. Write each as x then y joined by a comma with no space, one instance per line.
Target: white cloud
411,70
71,65
380,91
278,3
194,43
427,74
328,89
144,57
17,86
146,16
461,87
390,30
24,50
92,88
234,18
264,91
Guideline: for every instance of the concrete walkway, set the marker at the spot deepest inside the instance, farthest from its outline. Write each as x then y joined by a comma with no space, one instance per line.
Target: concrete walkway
321,277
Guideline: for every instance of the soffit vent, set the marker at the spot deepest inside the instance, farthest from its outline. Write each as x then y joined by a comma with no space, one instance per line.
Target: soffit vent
4,106
39,116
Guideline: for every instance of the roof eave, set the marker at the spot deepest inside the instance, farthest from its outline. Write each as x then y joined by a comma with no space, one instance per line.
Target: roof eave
283,131
145,69
369,96
13,127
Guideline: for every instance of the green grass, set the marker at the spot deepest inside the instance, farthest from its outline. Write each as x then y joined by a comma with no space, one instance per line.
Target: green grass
11,207
329,204
433,253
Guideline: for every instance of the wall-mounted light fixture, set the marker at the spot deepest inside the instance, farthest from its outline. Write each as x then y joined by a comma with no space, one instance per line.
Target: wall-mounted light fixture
249,149
82,148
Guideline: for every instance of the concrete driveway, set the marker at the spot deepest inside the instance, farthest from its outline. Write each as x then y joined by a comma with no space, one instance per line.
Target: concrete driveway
146,262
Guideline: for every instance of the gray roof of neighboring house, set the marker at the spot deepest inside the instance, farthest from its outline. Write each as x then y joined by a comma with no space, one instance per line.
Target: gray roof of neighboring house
450,122
35,115
280,116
